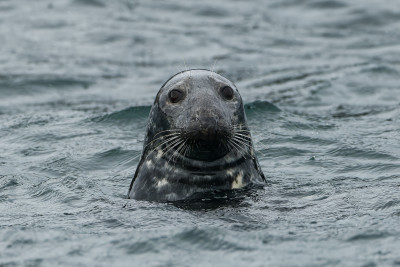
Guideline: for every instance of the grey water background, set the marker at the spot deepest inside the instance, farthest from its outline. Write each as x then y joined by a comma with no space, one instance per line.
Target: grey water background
321,83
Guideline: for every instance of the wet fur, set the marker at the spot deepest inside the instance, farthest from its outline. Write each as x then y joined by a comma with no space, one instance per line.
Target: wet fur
166,172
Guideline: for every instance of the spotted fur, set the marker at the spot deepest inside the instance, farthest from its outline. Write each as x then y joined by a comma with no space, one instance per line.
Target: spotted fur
172,165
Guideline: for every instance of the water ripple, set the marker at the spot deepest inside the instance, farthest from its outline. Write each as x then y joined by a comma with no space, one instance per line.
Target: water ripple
319,79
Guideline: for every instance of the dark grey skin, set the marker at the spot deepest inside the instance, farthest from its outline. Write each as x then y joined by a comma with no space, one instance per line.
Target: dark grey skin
197,140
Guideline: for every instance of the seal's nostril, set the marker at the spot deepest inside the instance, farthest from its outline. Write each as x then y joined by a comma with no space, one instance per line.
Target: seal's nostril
210,122
208,133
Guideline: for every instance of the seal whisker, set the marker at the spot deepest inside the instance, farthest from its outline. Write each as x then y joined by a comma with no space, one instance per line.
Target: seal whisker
182,149
215,62
165,137
242,144
184,62
239,126
245,147
250,146
169,139
186,149
177,151
135,157
244,140
189,149
162,143
243,131
238,143
187,69
170,147
229,146
238,149
176,66
169,131
243,136
161,137
177,143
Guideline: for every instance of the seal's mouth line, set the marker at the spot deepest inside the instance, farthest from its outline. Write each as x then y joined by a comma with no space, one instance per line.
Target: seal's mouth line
188,159
224,162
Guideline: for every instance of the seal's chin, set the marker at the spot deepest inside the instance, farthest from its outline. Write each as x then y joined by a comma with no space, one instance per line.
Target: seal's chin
207,150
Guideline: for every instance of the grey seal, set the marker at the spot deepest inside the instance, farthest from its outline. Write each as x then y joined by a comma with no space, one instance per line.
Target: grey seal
197,140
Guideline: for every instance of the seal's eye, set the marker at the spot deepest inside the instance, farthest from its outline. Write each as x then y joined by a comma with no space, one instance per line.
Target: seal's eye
175,95
227,93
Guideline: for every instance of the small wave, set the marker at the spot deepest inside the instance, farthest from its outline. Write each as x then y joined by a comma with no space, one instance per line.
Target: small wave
211,12
209,239
381,69
37,150
92,3
24,83
301,139
346,151
109,159
190,239
347,111
6,182
47,192
137,114
389,204
29,120
142,247
326,4
217,199
369,235
259,108
285,151
370,169
60,190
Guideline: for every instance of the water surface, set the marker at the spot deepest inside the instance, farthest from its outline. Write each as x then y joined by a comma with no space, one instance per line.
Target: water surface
320,79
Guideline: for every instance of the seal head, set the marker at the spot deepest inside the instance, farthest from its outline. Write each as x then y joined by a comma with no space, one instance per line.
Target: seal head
197,140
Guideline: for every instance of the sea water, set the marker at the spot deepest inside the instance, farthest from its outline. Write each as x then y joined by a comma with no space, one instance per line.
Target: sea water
321,84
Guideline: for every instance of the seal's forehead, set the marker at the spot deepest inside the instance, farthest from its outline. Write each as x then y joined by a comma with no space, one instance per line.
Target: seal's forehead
196,75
